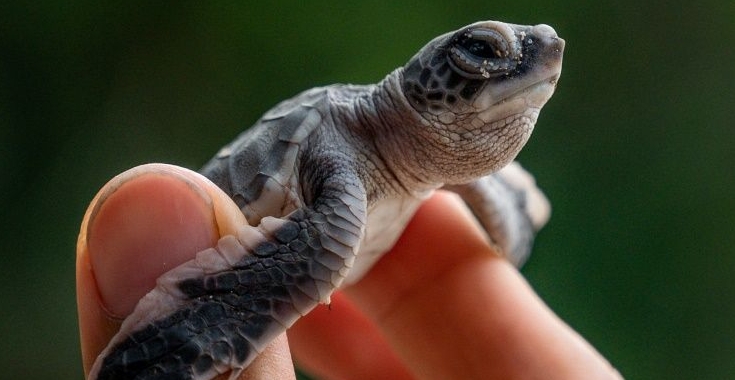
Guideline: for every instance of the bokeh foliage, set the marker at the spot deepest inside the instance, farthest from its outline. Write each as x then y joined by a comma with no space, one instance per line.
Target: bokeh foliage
635,150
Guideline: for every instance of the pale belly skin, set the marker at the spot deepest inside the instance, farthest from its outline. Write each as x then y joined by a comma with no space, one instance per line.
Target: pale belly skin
386,222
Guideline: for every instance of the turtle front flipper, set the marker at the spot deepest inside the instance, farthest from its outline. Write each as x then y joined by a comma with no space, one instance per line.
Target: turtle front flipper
215,313
510,207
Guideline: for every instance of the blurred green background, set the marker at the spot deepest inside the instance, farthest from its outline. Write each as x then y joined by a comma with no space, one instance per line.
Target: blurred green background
635,150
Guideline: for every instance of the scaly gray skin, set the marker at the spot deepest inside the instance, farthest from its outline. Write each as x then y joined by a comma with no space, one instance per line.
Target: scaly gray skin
328,181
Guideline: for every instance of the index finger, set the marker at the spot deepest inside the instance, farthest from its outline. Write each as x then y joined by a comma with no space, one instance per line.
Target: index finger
451,308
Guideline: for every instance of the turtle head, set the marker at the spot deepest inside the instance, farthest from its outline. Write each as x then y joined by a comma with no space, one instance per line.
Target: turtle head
479,90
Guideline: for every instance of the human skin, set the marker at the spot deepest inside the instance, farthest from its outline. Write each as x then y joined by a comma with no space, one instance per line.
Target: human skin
441,304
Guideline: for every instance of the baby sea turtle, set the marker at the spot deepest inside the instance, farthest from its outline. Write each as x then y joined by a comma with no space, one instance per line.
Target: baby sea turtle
329,179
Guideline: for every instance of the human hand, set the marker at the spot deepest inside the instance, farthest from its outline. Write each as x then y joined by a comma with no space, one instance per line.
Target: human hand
440,305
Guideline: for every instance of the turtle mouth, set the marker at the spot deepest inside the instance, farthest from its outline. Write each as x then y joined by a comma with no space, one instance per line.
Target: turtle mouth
536,94
521,101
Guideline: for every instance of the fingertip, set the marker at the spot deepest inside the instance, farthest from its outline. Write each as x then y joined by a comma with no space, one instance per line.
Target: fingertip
141,223
141,226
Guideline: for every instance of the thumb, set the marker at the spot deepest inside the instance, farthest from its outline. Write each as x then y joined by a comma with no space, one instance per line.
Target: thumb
141,224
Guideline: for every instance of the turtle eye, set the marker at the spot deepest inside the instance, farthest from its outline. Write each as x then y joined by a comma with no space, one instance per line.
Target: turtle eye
479,48
480,53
